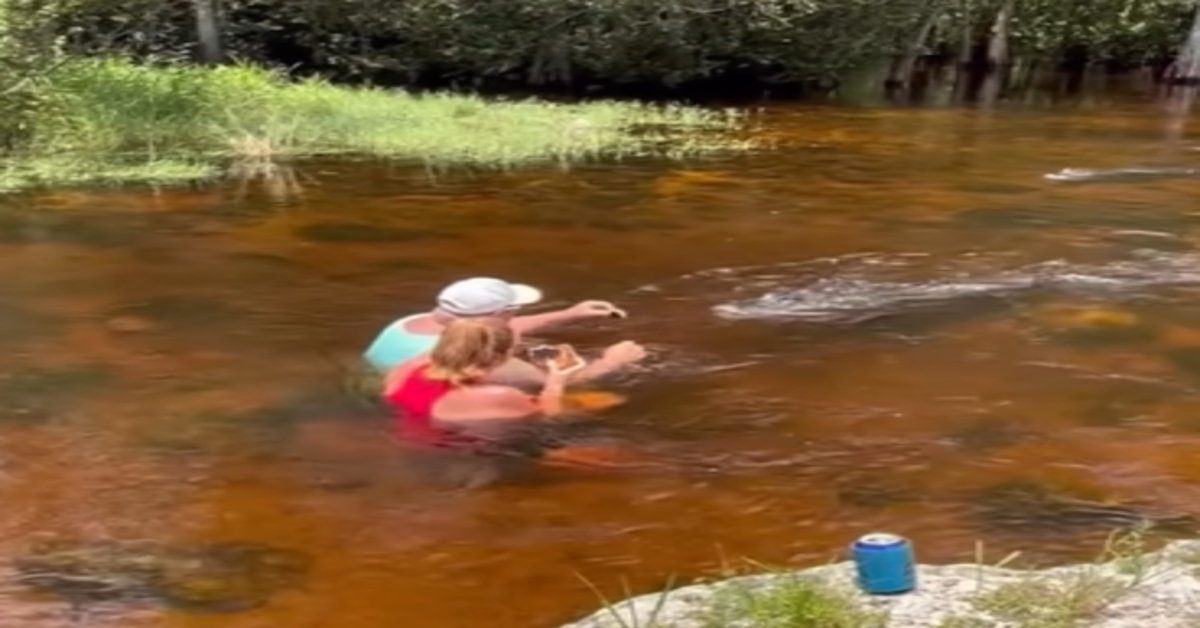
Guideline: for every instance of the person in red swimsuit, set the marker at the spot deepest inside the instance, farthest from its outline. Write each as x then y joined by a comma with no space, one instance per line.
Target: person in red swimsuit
443,400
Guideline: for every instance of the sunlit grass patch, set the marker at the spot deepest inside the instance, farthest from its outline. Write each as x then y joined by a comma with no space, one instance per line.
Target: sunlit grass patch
1069,598
172,122
1047,602
789,601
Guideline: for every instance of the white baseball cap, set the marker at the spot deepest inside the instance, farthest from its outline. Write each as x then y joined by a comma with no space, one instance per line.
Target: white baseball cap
485,295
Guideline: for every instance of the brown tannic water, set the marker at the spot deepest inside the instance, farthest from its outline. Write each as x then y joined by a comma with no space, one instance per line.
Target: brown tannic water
892,320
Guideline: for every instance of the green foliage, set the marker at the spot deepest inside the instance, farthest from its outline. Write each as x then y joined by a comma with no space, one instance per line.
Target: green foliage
1112,29
29,47
177,117
793,601
582,41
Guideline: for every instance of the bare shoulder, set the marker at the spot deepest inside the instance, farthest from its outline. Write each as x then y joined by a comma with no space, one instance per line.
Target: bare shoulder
487,402
420,324
498,393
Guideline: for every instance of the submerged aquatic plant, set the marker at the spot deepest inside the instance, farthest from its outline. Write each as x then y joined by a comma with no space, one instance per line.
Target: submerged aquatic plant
205,578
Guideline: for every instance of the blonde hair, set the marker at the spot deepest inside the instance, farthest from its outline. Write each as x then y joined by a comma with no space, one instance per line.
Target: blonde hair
468,348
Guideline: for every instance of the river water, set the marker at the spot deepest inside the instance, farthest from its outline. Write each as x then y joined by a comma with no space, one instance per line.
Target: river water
893,319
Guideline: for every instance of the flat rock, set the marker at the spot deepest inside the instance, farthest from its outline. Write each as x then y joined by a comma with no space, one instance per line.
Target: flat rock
1156,590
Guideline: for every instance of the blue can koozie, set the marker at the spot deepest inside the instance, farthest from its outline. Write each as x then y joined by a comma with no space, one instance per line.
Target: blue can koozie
884,563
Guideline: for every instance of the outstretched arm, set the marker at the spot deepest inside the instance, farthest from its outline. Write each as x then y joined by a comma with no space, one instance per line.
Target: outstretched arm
582,311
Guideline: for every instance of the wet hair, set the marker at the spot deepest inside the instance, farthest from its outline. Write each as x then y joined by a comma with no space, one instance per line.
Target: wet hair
470,347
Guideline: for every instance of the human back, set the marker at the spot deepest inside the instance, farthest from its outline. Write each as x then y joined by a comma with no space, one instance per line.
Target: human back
448,385
397,343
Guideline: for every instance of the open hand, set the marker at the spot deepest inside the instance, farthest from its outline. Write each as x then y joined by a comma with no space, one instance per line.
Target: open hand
597,309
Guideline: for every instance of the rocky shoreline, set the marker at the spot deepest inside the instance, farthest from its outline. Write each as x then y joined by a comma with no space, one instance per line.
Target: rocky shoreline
1133,589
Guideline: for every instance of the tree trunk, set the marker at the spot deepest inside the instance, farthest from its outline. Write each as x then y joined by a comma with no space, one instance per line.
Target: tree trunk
902,71
208,30
997,50
967,43
1186,68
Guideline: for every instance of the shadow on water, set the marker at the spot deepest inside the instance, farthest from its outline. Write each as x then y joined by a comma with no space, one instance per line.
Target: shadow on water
89,229
265,429
363,233
177,309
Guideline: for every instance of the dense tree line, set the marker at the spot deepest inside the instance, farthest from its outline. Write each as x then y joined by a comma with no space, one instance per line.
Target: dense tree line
586,45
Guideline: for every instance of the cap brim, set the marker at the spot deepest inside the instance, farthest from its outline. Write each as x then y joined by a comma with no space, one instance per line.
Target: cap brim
526,295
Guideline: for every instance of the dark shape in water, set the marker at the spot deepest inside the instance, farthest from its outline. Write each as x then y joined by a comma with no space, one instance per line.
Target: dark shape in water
33,395
630,224
354,232
177,309
1101,336
402,264
933,316
204,578
272,423
173,444
226,577
88,229
1118,402
1028,508
18,323
987,434
25,228
1186,359
267,259
334,482
1135,218
873,493
991,187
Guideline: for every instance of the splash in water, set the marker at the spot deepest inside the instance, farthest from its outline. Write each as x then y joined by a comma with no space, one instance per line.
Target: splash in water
855,288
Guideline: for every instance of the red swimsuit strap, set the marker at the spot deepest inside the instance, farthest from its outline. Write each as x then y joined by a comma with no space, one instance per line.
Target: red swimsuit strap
416,396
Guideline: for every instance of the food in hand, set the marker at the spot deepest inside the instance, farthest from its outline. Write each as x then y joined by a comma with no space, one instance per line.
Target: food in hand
562,357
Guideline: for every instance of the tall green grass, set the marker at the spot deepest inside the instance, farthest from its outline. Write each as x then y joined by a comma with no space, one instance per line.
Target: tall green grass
115,117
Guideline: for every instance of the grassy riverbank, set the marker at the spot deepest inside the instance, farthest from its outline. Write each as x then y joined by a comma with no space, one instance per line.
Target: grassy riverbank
111,121
1127,586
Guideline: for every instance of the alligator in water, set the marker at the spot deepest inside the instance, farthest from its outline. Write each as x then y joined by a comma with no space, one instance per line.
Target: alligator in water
860,288
1109,174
